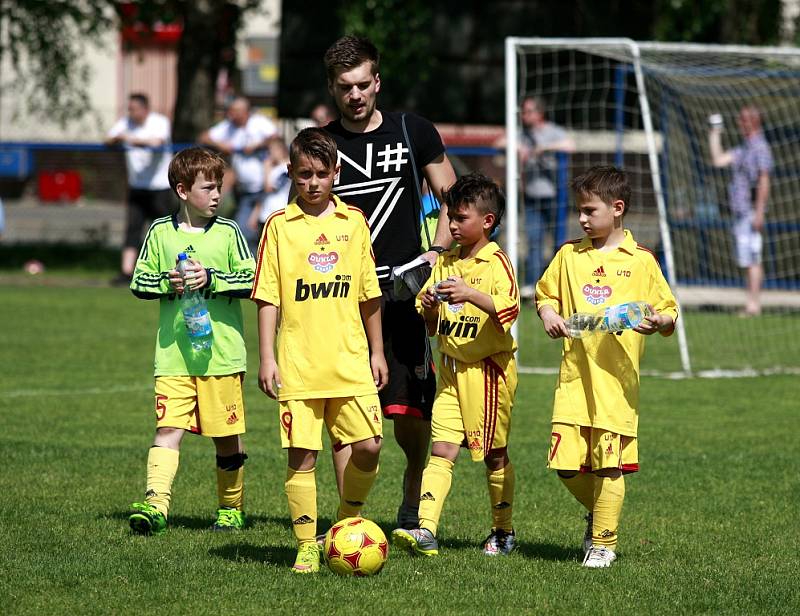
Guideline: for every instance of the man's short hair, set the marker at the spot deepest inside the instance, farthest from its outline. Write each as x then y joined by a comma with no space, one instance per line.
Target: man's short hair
478,190
607,182
314,143
140,98
348,53
538,102
187,164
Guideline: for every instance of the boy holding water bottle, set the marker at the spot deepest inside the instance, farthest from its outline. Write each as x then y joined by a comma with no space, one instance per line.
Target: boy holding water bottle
198,372
595,413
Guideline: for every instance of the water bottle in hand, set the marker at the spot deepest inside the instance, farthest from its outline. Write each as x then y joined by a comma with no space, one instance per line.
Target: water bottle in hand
195,311
609,320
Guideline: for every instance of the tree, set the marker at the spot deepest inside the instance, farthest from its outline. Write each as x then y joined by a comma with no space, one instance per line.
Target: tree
45,43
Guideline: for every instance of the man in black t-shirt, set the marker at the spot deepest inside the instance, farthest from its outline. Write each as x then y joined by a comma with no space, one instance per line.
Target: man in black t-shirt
377,176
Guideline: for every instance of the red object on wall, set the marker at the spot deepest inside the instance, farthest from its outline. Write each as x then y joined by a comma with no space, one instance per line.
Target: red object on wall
60,185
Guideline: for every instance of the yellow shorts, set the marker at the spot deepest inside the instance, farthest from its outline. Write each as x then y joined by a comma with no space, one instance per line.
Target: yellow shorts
473,403
585,449
207,405
349,420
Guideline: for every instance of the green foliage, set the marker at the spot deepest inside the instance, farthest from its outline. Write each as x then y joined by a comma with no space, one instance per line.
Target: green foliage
46,44
709,524
401,30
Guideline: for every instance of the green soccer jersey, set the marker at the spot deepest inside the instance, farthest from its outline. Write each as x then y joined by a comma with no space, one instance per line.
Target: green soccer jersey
222,250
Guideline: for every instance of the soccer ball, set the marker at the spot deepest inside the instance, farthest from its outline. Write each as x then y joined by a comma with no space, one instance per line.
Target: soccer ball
355,546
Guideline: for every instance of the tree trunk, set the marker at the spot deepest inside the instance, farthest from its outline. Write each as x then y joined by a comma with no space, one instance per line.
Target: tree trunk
199,59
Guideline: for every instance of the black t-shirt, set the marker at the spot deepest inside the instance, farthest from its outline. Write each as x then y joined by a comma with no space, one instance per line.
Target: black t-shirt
376,176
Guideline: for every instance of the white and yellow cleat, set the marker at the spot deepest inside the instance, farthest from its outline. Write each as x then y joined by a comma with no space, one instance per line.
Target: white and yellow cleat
599,557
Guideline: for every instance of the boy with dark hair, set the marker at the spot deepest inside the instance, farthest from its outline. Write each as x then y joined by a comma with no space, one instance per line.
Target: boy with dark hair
596,408
315,265
196,391
470,302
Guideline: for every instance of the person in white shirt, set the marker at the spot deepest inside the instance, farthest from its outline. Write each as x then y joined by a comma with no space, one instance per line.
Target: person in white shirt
244,136
145,135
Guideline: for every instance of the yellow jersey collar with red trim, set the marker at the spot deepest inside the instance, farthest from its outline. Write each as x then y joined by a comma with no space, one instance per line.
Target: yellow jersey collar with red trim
628,244
293,210
484,254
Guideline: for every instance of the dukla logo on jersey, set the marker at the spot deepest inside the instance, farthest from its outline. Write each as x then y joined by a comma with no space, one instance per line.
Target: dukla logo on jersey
323,262
596,294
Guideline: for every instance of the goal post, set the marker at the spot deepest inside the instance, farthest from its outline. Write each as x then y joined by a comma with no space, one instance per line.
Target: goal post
645,106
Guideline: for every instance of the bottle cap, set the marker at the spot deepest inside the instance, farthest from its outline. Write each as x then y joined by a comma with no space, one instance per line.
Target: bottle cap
182,256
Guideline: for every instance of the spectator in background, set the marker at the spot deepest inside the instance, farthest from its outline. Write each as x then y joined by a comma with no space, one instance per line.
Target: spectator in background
322,114
244,136
538,143
276,184
145,135
748,191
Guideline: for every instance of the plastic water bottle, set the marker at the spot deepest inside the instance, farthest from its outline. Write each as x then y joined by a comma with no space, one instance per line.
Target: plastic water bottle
608,321
195,312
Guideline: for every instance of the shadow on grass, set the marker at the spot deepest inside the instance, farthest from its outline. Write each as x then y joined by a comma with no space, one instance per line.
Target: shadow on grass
196,522
548,551
248,553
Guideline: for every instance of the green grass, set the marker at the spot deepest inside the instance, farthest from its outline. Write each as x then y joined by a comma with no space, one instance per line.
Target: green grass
709,525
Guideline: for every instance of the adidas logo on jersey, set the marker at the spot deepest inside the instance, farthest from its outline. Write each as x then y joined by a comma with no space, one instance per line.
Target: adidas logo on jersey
303,519
317,290
427,496
232,419
189,249
600,271
321,240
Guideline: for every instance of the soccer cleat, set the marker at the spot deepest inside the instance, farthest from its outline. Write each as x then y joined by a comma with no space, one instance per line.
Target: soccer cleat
499,543
308,558
407,517
598,557
229,519
587,535
147,520
416,540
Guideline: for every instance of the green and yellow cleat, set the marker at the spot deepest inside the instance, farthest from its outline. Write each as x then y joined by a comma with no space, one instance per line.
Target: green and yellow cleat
308,558
229,519
416,540
147,520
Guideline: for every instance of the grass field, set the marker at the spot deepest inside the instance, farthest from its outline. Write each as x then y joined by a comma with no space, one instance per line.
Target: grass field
709,525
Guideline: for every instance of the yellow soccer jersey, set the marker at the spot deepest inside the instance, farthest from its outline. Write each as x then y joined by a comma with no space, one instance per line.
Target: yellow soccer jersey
317,271
598,384
465,331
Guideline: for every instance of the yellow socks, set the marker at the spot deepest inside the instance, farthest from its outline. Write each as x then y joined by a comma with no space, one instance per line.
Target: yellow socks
501,496
230,488
162,464
301,490
608,496
436,481
355,487
582,488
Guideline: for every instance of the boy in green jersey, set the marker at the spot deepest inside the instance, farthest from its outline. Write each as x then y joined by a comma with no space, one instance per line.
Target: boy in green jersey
196,391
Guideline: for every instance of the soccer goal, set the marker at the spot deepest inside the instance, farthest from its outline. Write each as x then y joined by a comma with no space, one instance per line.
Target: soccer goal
646,107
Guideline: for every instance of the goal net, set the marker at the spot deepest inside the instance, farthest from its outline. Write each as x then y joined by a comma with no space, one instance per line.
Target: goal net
646,107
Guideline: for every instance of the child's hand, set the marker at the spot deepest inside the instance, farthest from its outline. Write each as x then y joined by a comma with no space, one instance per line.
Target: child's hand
428,299
269,378
380,370
456,290
196,277
653,323
554,324
175,281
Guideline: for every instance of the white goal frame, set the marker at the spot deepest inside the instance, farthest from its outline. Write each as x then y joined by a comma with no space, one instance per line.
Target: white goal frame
512,103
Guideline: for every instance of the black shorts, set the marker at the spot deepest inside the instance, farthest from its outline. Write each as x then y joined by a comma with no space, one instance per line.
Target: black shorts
412,383
145,206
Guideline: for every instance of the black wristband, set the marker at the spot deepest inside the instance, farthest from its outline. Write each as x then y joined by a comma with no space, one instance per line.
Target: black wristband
438,249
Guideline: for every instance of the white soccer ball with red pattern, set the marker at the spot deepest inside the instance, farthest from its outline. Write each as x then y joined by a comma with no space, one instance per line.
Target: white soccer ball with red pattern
355,546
